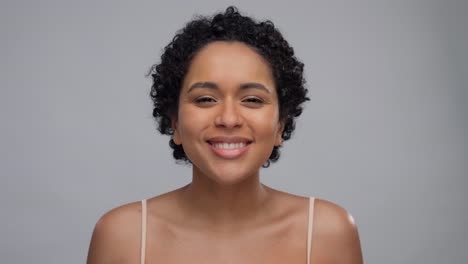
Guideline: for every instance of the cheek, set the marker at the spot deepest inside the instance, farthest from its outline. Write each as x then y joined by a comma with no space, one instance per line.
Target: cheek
265,123
191,122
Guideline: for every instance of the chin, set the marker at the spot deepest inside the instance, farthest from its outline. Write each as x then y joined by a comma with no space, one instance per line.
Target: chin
230,175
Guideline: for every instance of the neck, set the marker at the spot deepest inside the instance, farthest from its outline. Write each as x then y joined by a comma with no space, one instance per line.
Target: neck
225,206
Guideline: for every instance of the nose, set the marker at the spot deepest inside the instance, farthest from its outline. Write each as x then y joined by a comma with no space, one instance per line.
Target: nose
228,115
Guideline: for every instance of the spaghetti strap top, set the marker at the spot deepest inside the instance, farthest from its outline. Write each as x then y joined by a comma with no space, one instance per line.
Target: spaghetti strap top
310,221
143,232
310,226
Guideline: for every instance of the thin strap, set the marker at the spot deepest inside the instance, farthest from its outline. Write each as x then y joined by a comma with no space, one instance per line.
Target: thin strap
143,231
310,226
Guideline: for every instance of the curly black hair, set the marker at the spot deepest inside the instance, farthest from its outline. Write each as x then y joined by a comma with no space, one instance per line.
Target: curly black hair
229,26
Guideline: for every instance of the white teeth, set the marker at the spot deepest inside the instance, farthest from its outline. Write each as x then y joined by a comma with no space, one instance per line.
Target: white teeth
229,145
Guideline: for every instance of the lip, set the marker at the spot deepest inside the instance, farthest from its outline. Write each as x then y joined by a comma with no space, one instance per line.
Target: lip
225,139
229,153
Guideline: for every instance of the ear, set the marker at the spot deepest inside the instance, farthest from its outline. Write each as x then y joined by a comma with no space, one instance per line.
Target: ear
279,133
175,129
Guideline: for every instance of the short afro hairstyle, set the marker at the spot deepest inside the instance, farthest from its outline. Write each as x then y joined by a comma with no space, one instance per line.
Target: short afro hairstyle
229,26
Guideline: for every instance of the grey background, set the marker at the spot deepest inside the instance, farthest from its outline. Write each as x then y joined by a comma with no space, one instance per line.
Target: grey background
384,135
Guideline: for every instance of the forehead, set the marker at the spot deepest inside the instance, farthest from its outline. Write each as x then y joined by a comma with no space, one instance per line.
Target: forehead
229,62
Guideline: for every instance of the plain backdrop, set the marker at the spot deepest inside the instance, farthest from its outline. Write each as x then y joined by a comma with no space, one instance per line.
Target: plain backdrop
384,135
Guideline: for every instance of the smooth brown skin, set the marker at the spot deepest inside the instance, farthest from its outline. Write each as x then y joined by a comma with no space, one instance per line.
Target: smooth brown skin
226,215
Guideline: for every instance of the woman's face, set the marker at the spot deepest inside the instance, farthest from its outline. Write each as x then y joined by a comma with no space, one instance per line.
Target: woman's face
228,116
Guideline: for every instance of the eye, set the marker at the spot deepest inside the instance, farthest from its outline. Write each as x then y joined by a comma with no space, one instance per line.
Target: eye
253,100
205,100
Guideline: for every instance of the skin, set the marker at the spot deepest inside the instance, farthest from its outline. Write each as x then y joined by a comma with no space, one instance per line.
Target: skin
226,215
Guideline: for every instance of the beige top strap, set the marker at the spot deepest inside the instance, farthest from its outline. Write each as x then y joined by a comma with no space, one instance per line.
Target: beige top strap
309,227
143,231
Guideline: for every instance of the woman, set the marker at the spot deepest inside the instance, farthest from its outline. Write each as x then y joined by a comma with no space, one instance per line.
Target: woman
227,91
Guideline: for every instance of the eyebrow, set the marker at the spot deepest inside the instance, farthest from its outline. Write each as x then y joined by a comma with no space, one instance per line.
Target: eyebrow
214,86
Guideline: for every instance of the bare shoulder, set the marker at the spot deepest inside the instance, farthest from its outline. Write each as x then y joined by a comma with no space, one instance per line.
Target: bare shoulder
336,238
333,218
116,235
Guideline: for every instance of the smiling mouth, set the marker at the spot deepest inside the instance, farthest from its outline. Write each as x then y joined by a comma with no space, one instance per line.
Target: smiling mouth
224,145
229,150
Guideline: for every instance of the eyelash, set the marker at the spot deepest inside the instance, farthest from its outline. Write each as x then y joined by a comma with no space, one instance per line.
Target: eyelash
204,100
254,100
